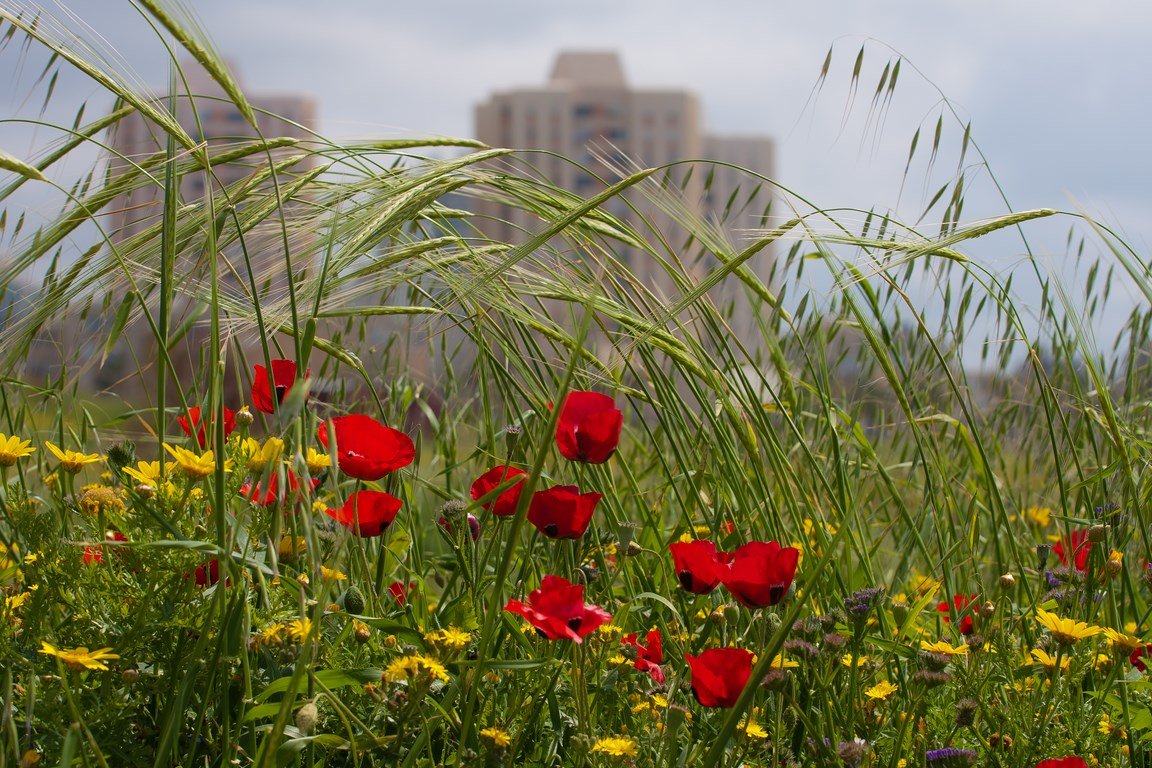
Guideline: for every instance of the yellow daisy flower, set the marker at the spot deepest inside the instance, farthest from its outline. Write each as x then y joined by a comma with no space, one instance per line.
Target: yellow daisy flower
1040,517
1066,631
411,667
194,466
257,456
79,658
146,473
1044,659
943,648
782,663
616,746
752,730
881,691
849,661
496,737
331,574
12,449
451,638
300,629
317,462
73,461
1121,641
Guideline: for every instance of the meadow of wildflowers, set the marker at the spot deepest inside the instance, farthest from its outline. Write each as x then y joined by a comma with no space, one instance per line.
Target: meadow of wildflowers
619,534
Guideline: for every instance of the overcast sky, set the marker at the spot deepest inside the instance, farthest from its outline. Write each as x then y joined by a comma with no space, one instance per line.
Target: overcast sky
1057,92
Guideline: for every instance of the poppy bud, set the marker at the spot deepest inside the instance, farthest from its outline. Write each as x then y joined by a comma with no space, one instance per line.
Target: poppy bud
244,417
773,622
717,616
1097,533
589,572
1042,551
512,434
633,549
1007,582
899,611
306,718
988,610
130,675
145,491
732,612
361,632
353,601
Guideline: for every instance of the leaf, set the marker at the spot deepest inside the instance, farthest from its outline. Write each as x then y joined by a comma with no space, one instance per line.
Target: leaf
330,678
9,163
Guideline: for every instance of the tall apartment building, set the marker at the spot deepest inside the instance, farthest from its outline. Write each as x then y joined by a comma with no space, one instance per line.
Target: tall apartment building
216,121
588,112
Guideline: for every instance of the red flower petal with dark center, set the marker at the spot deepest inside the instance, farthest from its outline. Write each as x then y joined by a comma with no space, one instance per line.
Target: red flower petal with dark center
192,424
365,448
367,513
1062,762
588,429
760,573
562,512
503,505
1137,657
719,675
283,379
964,605
557,610
95,555
697,565
1074,549
648,657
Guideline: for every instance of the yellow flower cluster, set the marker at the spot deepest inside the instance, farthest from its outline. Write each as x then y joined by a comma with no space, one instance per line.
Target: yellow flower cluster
615,746
413,668
449,638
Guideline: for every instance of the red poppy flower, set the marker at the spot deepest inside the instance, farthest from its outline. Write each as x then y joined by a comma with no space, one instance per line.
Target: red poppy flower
588,429
1137,657
1074,549
963,605
557,610
760,573
283,379
1062,762
400,591
268,493
365,448
648,657
719,675
697,564
95,555
207,574
192,424
562,512
503,505
367,513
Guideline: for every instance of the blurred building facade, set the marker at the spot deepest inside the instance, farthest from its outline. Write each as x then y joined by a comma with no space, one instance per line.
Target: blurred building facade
132,219
588,112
